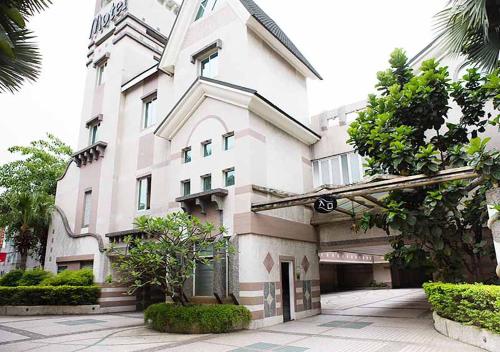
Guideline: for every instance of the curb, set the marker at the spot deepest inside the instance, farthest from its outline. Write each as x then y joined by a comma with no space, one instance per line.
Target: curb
470,335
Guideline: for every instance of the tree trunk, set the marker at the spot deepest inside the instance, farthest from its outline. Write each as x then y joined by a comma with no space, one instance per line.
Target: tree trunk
43,244
24,260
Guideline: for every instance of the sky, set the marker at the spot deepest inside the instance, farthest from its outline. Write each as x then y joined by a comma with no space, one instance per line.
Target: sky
348,42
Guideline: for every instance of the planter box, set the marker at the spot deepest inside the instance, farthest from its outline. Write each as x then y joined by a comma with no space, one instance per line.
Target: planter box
63,310
470,335
49,310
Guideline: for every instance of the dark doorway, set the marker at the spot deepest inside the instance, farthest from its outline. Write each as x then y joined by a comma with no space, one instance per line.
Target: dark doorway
409,278
285,291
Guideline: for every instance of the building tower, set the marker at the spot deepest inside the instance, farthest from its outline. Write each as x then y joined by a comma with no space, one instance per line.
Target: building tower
125,37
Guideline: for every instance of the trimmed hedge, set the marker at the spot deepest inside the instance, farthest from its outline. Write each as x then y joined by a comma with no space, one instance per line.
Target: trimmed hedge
33,277
11,279
477,305
48,296
197,319
83,277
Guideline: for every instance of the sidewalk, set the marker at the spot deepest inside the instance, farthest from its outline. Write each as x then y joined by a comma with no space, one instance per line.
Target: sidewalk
358,321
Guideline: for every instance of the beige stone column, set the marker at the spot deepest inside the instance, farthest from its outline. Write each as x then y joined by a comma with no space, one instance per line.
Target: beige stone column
493,198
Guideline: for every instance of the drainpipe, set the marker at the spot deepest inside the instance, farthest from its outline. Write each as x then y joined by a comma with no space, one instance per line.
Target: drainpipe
492,199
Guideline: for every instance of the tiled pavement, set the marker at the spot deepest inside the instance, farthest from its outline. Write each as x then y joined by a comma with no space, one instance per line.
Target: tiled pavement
358,321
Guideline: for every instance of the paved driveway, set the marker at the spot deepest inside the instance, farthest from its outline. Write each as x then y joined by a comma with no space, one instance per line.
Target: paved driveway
358,321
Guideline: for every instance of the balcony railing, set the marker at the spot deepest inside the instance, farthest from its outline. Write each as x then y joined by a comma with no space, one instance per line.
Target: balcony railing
90,154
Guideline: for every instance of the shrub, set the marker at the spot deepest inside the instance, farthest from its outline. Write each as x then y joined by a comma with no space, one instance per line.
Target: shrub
84,277
33,277
477,305
12,278
41,296
197,319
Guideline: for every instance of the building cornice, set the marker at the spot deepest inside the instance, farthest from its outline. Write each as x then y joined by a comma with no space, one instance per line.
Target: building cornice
243,97
140,77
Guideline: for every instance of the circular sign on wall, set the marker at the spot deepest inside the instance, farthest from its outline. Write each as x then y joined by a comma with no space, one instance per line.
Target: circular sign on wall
325,204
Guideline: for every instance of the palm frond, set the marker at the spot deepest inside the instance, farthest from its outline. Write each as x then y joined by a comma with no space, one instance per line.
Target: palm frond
463,28
29,7
26,64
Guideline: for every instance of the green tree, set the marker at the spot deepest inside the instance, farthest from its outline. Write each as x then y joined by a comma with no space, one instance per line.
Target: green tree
40,165
20,59
26,217
471,28
406,130
167,256
28,188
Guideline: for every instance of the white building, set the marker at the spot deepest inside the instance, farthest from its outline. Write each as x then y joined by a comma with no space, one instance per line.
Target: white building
10,259
203,108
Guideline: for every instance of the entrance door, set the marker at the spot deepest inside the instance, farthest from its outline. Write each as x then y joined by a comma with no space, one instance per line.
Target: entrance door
285,291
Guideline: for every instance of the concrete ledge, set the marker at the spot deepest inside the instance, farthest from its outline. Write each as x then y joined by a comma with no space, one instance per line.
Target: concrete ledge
62,310
470,335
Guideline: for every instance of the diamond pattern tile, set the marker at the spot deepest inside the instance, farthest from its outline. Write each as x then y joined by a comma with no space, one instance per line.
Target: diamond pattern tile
80,322
305,264
269,262
262,346
347,324
291,349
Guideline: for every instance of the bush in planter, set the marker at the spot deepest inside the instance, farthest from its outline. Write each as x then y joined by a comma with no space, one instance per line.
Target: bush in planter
477,305
33,277
48,296
197,319
12,278
83,277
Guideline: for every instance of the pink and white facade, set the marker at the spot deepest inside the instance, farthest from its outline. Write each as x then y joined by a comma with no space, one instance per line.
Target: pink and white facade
203,108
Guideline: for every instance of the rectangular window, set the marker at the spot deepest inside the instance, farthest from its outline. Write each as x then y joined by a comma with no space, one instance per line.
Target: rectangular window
229,141
206,182
187,155
338,170
186,187
325,172
207,148
87,208
206,7
87,264
204,274
229,177
204,278
149,118
93,134
101,73
209,66
144,193
356,168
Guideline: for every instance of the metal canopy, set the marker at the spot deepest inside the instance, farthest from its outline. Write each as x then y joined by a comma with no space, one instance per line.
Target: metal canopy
354,200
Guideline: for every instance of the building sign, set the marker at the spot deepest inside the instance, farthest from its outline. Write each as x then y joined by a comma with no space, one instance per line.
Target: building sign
103,20
325,204
3,257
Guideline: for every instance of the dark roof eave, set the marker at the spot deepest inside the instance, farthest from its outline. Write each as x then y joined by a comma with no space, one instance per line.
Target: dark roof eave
272,27
241,88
